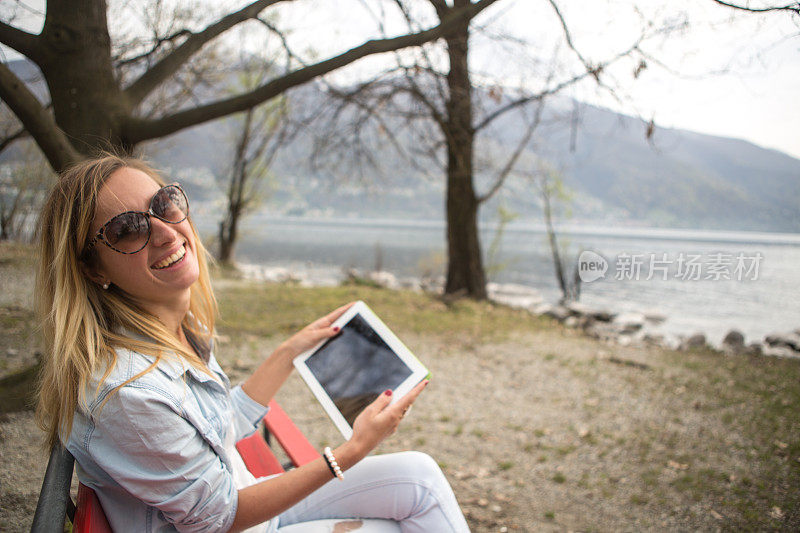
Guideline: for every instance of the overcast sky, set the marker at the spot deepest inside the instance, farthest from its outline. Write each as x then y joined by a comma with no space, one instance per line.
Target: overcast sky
755,99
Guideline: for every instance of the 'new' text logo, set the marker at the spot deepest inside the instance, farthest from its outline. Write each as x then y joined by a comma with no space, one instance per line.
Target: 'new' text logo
591,266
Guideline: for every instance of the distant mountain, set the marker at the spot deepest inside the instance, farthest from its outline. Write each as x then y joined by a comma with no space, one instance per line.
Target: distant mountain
678,178
675,179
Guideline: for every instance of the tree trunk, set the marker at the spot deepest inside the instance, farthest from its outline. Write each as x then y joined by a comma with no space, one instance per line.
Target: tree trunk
551,237
76,63
229,225
465,272
228,233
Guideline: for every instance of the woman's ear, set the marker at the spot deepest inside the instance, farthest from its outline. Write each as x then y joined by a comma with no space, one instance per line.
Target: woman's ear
93,275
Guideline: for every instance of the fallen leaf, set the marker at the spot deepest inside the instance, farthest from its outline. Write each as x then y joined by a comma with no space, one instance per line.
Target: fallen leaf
676,465
461,474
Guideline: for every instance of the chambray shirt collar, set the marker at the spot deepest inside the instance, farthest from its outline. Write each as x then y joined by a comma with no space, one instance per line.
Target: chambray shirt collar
175,367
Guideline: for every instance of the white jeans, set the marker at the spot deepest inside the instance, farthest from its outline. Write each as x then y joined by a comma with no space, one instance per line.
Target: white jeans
408,487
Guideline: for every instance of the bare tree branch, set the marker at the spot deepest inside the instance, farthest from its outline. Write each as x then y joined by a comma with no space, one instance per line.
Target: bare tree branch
440,6
9,139
594,70
23,42
793,7
509,166
140,130
428,67
167,66
37,120
552,90
371,109
159,42
290,55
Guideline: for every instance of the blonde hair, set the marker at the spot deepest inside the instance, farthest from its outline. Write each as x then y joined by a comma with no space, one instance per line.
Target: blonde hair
81,323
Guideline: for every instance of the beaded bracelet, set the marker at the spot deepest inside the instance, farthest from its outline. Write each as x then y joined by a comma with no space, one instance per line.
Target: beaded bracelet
332,464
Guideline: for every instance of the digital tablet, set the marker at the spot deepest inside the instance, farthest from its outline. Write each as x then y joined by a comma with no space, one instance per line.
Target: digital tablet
347,372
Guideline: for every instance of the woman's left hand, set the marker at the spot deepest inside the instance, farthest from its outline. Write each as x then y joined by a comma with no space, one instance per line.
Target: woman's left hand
270,375
312,334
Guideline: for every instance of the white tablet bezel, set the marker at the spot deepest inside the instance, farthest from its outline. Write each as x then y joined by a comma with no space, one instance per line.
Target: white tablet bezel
418,370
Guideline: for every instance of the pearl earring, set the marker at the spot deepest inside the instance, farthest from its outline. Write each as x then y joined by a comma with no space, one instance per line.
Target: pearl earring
105,285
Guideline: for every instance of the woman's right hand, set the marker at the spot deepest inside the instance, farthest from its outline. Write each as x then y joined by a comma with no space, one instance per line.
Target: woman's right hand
379,419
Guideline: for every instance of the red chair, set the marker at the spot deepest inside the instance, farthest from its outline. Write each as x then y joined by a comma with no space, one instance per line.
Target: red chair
88,517
258,456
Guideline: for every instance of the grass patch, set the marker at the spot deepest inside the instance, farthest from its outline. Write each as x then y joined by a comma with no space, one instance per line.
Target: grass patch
565,450
528,447
650,477
638,499
279,309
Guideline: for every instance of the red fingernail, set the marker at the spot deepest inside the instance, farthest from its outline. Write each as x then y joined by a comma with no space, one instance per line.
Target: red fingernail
335,328
388,392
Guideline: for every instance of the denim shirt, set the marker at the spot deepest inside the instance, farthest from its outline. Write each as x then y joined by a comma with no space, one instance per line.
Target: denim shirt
154,451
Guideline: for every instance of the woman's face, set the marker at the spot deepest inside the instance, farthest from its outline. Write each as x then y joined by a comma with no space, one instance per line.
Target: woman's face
149,275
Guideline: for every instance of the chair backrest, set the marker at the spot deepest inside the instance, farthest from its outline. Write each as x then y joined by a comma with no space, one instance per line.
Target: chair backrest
55,503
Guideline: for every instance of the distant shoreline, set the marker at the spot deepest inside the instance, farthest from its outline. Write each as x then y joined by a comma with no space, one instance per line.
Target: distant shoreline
573,230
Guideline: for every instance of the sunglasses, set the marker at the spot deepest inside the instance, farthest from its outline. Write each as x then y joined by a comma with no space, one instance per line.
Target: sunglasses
129,232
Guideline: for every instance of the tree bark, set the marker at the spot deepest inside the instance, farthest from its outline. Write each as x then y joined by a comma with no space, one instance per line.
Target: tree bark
76,63
36,119
228,235
465,271
551,237
229,226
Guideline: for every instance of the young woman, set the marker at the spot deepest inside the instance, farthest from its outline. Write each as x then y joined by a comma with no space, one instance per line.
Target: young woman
131,386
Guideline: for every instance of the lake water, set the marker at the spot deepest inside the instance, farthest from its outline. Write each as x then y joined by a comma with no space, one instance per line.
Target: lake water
747,281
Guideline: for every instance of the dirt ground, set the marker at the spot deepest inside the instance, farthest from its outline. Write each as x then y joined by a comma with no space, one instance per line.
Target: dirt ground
544,430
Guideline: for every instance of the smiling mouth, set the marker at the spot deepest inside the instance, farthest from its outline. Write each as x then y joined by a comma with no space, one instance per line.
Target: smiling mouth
171,260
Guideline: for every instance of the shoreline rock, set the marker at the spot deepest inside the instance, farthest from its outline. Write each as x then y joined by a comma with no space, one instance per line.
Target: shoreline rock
733,342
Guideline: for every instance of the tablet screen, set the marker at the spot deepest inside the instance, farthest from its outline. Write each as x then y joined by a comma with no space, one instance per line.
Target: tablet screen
356,366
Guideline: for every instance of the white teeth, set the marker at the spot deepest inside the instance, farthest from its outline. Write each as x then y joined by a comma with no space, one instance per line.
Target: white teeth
171,259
